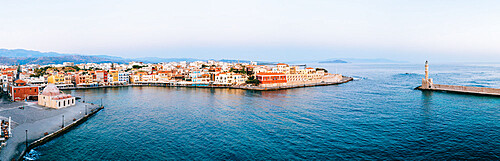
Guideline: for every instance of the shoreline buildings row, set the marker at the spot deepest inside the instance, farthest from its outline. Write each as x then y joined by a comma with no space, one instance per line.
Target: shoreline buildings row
24,82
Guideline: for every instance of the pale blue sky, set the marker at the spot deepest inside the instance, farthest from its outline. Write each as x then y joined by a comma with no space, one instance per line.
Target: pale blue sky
411,30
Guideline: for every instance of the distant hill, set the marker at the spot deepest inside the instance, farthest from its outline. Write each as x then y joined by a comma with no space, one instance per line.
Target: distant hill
359,60
245,61
56,60
334,61
26,53
21,56
159,60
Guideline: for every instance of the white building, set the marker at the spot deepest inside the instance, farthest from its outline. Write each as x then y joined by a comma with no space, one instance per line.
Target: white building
53,98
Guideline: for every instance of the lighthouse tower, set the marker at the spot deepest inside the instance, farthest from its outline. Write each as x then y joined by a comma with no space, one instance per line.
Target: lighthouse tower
427,82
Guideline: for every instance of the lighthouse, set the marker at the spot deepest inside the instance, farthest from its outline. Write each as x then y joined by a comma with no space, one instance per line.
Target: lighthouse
427,82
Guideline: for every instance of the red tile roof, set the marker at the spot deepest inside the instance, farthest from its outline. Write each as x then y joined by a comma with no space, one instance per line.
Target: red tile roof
19,81
270,73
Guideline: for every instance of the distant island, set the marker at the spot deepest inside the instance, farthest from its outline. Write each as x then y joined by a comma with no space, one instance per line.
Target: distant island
334,61
360,60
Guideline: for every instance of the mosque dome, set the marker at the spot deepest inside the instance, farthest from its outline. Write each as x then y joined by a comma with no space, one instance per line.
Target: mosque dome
51,90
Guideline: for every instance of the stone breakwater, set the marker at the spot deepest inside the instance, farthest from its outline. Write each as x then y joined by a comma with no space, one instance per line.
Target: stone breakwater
57,133
463,89
343,80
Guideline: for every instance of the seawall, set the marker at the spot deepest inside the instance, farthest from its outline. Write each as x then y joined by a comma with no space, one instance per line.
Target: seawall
344,80
57,133
464,89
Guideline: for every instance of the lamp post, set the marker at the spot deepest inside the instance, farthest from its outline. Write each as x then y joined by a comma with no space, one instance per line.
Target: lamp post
26,139
85,110
62,121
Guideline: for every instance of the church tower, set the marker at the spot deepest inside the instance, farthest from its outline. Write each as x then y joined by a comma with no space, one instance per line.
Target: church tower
427,82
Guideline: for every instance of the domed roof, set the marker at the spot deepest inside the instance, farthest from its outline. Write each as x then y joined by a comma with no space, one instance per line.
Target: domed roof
51,90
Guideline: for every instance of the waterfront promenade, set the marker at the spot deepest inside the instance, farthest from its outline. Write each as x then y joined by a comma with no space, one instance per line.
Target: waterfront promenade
37,120
463,89
244,87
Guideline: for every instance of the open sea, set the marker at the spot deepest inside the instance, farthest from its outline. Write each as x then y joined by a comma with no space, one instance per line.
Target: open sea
378,116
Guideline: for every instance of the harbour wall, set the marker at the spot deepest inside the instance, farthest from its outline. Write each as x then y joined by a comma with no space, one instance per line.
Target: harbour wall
59,132
344,80
464,89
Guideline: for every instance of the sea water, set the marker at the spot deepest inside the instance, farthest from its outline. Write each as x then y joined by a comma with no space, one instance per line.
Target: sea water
377,116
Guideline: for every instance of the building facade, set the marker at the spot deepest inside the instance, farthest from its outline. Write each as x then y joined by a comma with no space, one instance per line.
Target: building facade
53,98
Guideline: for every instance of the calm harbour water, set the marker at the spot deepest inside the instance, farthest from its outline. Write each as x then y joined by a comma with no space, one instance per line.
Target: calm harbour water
377,116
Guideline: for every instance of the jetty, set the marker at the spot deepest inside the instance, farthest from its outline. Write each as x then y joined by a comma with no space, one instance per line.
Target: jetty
33,125
57,133
428,85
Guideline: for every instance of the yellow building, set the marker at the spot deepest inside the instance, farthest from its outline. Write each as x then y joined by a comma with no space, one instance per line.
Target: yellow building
56,79
113,77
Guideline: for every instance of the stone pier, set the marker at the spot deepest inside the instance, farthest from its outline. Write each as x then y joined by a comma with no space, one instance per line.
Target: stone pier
427,84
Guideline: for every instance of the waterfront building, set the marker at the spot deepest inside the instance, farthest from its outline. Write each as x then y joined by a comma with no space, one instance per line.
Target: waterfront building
20,91
164,76
135,78
113,77
101,77
223,79
56,78
84,79
271,79
238,79
281,68
60,79
184,73
53,98
68,64
123,77
202,79
229,78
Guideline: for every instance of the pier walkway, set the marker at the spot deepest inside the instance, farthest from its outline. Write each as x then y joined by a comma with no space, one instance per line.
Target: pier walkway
463,89
428,84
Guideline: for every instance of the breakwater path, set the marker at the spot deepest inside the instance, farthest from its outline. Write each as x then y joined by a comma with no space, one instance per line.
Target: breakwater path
463,89
59,132
38,121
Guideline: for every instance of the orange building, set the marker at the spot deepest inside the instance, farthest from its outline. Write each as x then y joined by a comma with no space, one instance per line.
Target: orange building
271,78
21,92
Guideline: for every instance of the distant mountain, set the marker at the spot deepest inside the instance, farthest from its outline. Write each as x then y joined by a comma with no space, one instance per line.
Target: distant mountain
56,60
159,60
358,60
26,53
21,56
334,61
245,61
